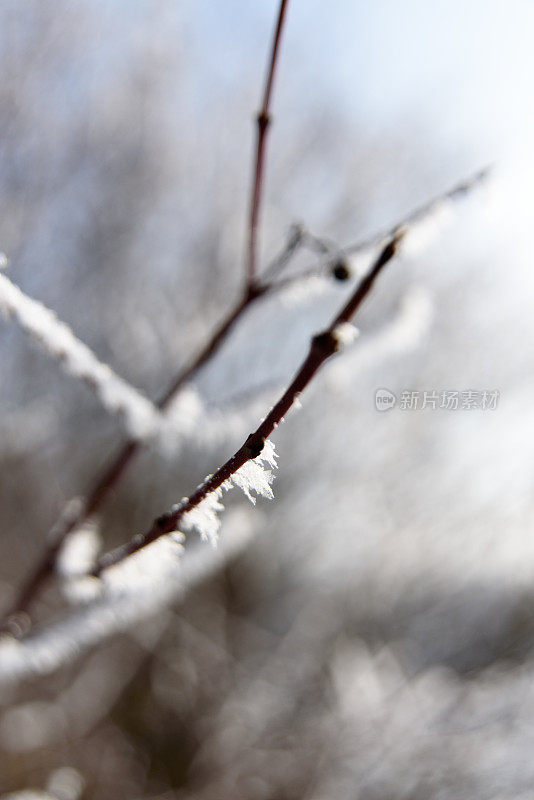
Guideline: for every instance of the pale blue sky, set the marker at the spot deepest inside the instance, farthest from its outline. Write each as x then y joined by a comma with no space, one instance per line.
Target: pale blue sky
465,68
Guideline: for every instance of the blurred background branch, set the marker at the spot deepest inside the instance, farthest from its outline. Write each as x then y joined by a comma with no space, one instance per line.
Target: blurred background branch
370,632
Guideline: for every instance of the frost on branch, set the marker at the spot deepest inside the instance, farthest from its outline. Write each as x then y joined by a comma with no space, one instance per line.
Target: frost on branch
76,560
204,517
251,478
345,333
79,551
141,417
138,588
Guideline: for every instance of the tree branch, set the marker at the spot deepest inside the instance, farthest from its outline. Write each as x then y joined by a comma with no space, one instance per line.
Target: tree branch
263,121
112,475
322,346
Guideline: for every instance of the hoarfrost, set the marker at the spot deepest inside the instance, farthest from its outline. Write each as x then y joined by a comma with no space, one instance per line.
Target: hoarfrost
76,560
79,551
204,517
141,418
346,333
134,590
253,477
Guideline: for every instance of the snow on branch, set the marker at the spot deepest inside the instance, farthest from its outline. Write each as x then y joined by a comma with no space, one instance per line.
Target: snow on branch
141,418
180,401
418,227
257,448
251,477
133,591
200,511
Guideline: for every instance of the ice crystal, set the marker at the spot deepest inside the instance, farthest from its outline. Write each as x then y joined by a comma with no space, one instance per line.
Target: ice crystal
253,477
142,419
204,517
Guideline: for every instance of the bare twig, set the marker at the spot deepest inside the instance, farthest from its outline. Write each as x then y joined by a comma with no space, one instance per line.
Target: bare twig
112,475
424,213
141,417
263,121
114,472
322,346
336,258
281,260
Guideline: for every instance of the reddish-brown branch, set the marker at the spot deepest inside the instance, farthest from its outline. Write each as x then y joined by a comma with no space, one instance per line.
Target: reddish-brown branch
108,480
106,483
322,346
212,345
263,121
113,474
335,255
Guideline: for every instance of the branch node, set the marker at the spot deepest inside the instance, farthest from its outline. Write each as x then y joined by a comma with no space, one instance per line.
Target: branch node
163,520
253,291
263,119
254,444
325,343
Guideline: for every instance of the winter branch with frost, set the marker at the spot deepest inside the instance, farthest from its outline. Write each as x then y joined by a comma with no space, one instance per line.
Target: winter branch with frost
246,468
141,587
419,224
118,466
200,509
141,418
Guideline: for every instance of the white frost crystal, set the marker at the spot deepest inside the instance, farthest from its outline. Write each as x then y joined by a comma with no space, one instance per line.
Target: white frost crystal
204,517
346,333
142,419
252,478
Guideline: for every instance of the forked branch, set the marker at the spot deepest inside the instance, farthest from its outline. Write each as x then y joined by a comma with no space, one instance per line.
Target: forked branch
74,516
111,476
322,346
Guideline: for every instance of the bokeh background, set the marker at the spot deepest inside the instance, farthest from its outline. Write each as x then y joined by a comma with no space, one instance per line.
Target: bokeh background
369,632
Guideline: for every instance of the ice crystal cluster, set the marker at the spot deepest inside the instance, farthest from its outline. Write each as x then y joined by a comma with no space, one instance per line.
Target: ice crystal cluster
136,589
140,416
252,478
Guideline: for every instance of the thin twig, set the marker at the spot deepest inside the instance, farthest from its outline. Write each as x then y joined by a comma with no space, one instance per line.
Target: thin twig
338,255
112,475
322,346
423,213
109,479
295,240
141,418
263,121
